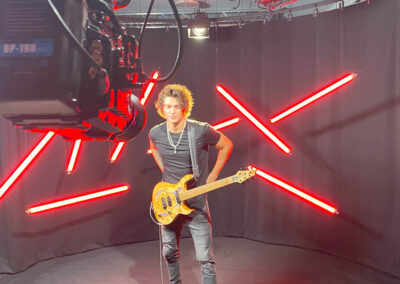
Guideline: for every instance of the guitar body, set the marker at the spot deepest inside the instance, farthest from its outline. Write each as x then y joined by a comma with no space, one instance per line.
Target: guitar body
166,202
168,199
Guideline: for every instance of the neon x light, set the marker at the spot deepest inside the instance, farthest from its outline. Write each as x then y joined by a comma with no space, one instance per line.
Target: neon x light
317,95
149,88
254,120
77,199
295,191
226,123
27,161
74,154
117,151
217,126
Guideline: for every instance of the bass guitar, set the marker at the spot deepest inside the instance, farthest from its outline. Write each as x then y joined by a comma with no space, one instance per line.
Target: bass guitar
168,200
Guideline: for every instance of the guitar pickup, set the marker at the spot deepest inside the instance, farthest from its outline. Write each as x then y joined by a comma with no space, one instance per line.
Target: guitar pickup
177,197
164,204
169,200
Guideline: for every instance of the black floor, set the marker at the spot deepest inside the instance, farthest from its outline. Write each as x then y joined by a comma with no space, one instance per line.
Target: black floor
238,261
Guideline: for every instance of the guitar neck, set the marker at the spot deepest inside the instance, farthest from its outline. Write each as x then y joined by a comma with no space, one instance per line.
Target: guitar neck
205,188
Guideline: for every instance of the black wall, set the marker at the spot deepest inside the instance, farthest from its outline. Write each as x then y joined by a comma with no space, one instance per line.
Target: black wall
345,146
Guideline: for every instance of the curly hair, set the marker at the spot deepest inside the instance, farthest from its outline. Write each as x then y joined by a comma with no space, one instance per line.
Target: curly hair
181,93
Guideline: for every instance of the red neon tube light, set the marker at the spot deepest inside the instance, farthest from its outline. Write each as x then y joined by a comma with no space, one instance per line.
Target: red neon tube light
295,191
283,4
254,120
117,151
319,94
217,126
77,199
226,123
74,154
149,88
26,162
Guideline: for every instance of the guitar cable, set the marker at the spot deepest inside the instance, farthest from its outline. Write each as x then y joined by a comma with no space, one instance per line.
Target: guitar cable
160,238
161,265
151,216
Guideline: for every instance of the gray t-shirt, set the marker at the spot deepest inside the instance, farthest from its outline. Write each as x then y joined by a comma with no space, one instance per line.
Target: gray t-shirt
176,165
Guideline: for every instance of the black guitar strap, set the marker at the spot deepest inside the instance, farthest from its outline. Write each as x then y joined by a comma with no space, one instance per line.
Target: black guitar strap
192,148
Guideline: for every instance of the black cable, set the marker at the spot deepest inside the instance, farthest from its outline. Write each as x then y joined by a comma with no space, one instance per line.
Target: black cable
151,215
180,43
72,37
143,27
117,25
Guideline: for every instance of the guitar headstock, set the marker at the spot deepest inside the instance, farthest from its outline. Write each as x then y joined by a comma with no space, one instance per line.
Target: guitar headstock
244,175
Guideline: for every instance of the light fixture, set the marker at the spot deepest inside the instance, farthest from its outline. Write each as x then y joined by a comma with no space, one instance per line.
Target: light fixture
74,155
296,191
315,96
257,123
117,151
274,4
149,89
77,199
26,162
217,126
226,123
199,27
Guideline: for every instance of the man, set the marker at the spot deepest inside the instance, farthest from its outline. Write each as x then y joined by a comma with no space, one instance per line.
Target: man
169,142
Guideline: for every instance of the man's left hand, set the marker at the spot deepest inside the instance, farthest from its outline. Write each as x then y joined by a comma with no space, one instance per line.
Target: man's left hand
211,178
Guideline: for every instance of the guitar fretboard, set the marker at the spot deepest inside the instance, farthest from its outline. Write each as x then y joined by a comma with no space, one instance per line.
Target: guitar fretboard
205,188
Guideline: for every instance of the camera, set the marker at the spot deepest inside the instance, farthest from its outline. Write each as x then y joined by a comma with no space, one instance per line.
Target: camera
84,89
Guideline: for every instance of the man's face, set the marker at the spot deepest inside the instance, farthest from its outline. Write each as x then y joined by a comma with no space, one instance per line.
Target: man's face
172,110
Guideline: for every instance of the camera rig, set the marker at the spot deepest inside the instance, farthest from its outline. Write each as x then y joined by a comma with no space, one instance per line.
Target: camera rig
48,83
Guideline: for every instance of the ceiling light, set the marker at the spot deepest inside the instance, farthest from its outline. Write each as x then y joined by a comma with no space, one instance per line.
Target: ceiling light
199,27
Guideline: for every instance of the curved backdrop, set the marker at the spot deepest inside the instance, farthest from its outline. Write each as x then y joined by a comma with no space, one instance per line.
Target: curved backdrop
345,146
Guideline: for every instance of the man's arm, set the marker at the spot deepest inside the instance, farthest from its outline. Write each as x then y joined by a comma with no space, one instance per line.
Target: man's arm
156,156
225,148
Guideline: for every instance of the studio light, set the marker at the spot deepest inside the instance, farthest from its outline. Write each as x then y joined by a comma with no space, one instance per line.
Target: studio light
26,162
149,88
256,122
226,123
117,151
315,96
74,154
77,199
199,27
295,191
